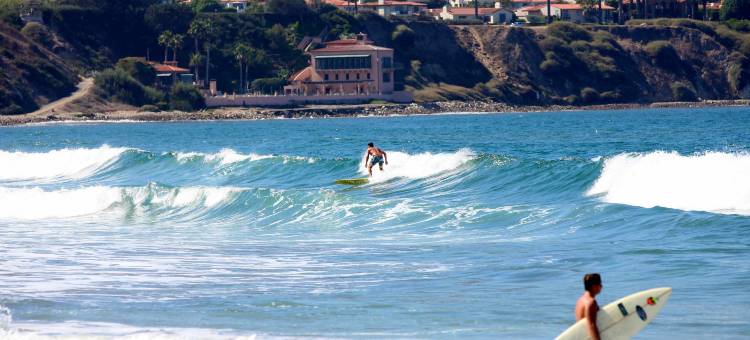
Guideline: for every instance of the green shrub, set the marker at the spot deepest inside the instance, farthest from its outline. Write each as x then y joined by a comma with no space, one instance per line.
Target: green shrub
118,85
571,100
137,68
738,72
149,108
39,34
10,11
663,54
609,96
739,25
568,31
268,85
403,37
589,95
12,109
735,9
186,97
683,93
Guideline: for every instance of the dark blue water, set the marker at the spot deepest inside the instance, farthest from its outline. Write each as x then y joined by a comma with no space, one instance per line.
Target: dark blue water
481,226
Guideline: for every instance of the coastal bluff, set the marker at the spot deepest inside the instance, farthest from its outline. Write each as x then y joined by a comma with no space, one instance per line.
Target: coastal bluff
641,62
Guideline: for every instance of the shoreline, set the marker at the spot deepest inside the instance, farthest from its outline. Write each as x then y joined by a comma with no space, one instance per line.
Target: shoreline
340,111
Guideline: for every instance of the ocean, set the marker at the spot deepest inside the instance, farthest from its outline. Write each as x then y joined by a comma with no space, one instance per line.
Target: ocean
480,227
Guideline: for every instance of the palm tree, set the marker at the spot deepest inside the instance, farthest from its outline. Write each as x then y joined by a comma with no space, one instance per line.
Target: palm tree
549,12
165,39
241,53
196,59
176,42
476,9
204,29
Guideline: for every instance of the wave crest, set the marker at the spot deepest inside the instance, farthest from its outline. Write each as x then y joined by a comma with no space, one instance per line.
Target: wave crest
37,203
421,165
713,182
56,164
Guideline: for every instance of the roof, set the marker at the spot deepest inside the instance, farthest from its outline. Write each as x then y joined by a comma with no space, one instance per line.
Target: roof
392,3
350,45
343,3
579,7
470,11
531,8
162,68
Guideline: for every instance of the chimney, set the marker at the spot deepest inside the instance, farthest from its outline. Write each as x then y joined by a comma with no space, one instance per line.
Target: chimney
498,5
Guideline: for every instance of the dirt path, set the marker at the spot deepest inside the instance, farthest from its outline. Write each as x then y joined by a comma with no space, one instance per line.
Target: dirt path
83,88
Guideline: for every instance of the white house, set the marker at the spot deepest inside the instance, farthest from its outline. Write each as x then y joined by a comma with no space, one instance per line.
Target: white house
494,15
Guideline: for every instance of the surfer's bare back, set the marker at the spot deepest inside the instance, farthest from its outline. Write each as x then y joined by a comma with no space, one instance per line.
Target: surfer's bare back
586,307
378,156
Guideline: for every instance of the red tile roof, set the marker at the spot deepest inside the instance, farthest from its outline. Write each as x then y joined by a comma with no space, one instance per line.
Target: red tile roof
343,3
531,8
470,11
162,68
578,7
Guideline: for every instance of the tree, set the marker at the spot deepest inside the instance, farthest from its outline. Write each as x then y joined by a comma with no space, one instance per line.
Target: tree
176,42
196,60
137,68
202,6
549,12
588,6
241,54
735,9
168,17
165,39
204,29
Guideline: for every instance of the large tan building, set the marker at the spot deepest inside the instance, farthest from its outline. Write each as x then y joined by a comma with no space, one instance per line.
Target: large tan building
345,67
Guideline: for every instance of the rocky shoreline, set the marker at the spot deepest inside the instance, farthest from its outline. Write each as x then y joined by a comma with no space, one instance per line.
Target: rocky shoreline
335,111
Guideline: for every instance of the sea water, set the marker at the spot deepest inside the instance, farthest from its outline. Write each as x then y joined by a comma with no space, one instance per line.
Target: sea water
480,227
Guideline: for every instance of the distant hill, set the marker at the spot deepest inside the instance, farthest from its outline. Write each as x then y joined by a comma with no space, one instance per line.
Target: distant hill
645,61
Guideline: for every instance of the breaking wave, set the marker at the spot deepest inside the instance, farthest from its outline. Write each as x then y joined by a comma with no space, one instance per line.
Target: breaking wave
37,203
56,164
713,181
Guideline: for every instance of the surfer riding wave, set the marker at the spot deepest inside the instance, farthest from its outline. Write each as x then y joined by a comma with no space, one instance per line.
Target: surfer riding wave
378,157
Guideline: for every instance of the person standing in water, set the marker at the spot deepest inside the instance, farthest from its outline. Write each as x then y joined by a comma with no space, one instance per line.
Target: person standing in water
378,156
586,307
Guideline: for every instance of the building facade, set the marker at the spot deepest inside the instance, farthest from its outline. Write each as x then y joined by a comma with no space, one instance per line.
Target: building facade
345,67
495,15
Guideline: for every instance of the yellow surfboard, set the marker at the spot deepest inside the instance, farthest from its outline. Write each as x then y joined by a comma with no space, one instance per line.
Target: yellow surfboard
353,181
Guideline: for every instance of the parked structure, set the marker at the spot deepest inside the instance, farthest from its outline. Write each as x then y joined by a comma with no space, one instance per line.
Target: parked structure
345,67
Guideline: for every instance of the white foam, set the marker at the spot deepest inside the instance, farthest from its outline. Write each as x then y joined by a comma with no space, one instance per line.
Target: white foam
223,157
105,330
63,163
422,165
713,181
36,203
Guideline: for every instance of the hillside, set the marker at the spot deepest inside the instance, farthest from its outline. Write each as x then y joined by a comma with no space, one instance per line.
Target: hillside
645,61
31,74
576,65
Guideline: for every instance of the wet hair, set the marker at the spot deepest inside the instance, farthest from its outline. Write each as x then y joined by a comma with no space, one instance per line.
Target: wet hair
370,144
590,280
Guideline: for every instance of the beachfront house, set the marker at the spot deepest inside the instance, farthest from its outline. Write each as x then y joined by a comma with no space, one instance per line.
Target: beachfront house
348,66
495,15
169,73
384,8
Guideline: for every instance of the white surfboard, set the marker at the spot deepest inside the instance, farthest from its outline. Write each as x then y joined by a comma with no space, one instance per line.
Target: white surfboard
623,318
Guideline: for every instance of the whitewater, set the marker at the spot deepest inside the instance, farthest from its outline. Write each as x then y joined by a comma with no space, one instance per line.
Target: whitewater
480,227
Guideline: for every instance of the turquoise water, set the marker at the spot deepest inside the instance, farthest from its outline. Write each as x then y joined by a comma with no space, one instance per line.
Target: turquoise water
481,227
